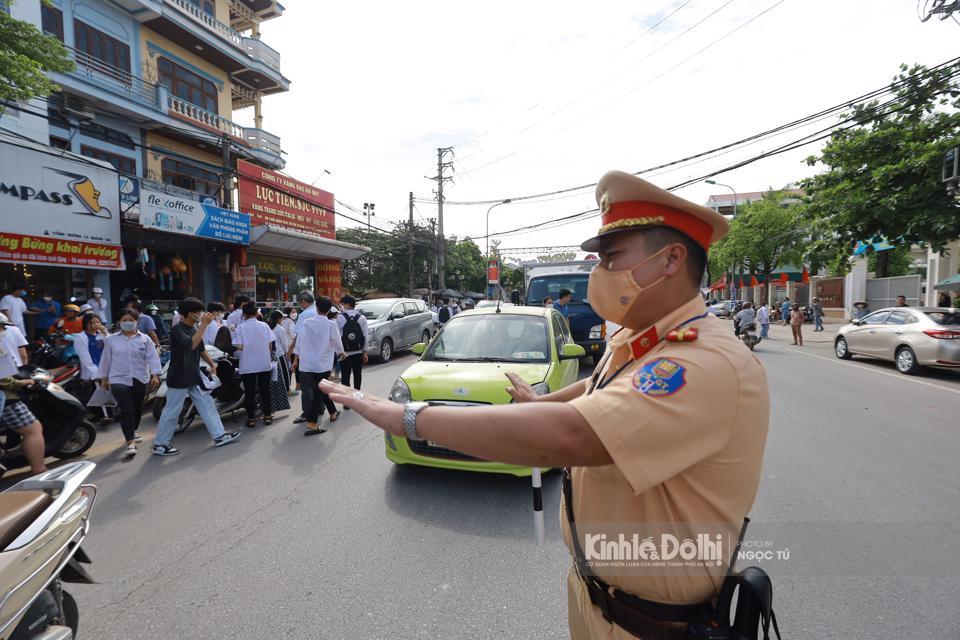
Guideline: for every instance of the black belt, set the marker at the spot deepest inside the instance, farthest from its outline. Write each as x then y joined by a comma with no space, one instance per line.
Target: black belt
643,618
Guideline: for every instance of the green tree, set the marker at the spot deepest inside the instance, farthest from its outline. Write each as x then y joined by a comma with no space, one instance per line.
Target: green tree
511,278
26,56
465,257
385,268
764,236
882,177
898,261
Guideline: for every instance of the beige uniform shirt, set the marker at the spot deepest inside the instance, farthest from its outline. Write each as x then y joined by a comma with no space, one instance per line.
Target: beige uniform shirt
685,422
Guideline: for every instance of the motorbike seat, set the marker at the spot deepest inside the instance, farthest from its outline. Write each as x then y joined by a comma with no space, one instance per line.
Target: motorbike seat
18,509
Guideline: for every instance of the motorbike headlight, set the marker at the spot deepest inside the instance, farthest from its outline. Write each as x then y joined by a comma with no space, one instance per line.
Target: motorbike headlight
400,392
41,375
597,332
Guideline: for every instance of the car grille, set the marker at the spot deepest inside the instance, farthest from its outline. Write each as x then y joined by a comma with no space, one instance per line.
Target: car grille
424,448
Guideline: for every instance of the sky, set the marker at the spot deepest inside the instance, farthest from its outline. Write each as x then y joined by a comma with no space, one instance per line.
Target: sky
537,96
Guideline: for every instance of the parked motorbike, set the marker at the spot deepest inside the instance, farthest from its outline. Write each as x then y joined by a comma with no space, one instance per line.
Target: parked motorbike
67,432
749,335
43,521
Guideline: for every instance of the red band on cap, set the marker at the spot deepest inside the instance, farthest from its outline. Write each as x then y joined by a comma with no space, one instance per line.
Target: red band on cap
640,214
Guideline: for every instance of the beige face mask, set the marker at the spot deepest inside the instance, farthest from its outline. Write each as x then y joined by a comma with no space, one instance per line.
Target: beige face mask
613,293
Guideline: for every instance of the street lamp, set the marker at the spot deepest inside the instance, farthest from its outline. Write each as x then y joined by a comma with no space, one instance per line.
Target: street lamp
507,201
732,190
368,210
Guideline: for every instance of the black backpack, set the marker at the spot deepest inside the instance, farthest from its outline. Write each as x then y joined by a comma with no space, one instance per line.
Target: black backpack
444,314
352,333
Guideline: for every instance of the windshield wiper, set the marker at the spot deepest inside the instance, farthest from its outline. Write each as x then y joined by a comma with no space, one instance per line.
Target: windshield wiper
489,359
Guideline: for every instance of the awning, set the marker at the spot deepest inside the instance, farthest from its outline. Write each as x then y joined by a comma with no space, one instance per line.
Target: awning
302,245
950,284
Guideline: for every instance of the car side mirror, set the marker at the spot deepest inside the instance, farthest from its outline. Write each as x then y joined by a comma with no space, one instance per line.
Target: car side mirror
572,352
857,322
419,348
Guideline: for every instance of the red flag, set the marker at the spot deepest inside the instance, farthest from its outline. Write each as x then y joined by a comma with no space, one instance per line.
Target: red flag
741,283
784,278
805,278
754,282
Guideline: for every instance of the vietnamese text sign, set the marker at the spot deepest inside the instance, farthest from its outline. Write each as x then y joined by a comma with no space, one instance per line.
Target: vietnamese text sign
58,210
273,198
328,279
248,282
174,214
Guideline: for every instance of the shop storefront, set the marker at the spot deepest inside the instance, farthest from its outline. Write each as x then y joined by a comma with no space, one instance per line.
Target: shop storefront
60,223
178,246
293,245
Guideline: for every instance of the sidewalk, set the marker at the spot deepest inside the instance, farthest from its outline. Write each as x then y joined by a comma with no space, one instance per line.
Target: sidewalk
780,333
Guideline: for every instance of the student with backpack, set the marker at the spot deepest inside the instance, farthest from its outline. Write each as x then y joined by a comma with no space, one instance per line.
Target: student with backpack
354,334
446,312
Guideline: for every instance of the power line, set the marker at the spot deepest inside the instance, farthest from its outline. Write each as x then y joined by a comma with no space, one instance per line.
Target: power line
889,88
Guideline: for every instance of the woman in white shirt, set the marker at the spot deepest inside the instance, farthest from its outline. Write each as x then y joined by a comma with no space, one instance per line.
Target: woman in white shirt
256,343
282,346
128,364
318,342
218,309
89,347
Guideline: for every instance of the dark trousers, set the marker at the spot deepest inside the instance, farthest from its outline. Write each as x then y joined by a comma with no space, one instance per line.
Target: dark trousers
314,400
352,367
130,401
256,385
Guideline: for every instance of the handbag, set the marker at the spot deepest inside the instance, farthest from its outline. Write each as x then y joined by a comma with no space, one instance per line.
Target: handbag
102,398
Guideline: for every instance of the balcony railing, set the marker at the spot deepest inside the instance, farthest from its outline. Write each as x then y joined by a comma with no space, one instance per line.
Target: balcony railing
260,139
204,118
114,79
209,21
257,50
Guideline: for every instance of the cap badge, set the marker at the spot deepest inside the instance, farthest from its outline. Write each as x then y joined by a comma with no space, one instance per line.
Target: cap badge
604,203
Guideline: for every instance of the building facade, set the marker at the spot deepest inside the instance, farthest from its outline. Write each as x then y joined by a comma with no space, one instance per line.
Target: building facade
153,93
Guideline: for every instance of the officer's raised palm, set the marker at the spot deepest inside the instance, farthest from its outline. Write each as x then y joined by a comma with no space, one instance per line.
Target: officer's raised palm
521,391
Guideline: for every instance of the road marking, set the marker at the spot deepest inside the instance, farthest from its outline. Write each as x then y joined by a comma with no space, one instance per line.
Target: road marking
898,376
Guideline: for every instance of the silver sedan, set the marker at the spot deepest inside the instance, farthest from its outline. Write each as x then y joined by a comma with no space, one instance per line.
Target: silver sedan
910,337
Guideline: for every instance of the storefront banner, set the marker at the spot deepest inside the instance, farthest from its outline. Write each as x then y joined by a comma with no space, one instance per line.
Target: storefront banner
58,210
328,279
273,198
187,216
248,282
129,190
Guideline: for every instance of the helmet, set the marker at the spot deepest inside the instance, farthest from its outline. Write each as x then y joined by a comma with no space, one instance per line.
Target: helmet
152,307
84,308
4,320
72,307
98,290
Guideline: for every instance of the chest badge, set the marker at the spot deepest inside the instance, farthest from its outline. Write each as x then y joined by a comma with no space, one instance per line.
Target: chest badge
663,377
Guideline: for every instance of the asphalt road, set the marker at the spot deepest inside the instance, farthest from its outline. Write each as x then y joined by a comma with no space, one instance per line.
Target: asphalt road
282,536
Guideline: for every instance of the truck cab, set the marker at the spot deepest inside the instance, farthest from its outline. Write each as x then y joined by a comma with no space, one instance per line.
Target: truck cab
546,280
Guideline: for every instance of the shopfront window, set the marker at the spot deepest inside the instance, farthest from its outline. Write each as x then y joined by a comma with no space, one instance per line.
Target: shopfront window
279,280
190,176
156,276
187,85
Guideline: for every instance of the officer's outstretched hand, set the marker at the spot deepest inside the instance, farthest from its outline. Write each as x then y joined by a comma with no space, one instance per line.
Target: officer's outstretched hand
383,413
521,391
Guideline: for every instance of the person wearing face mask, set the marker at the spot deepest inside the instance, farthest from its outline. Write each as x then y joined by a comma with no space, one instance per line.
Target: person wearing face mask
145,323
48,312
100,305
218,309
14,413
13,306
639,449
235,317
183,379
129,367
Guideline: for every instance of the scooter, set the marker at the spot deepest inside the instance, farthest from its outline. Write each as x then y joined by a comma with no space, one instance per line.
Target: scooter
749,335
43,521
67,432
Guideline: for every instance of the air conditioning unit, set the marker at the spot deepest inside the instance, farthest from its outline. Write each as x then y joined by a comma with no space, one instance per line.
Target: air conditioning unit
76,107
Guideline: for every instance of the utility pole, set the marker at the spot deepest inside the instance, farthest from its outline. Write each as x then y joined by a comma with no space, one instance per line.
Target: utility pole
410,249
440,179
433,236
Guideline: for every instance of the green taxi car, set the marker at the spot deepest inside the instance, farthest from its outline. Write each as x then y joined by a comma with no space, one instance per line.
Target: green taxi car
466,365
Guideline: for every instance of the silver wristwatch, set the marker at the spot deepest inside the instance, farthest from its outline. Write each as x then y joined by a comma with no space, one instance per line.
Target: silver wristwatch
410,411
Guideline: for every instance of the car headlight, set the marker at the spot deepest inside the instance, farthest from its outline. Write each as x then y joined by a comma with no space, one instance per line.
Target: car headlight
597,332
541,389
400,392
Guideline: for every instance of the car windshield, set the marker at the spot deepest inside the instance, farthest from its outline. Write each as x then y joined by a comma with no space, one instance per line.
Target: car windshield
543,286
373,309
491,338
944,317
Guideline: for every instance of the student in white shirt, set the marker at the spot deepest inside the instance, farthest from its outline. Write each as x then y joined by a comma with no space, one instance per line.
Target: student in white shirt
14,307
282,346
15,413
235,317
308,309
100,305
255,341
318,341
218,309
89,347
128,364
355,346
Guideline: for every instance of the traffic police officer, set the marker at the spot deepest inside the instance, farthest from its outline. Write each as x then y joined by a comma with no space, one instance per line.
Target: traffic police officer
669,429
